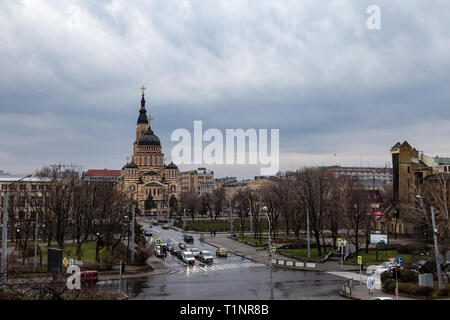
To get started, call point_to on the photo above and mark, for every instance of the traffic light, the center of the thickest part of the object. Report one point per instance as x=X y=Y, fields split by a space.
x=395 y=273
x=122 y=267
x=164 y=249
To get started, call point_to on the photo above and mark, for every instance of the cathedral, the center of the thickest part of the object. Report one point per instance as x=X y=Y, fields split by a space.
x=147 y=174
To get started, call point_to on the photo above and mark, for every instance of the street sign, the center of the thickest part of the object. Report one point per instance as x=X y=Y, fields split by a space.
x=158 y=242
x=339 y=242
x=65 y=262
x=273 y=249
x=399 y=260
x=392 y=260
x=359 y=260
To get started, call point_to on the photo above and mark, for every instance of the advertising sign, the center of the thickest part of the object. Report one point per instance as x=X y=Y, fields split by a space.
x=378 y=239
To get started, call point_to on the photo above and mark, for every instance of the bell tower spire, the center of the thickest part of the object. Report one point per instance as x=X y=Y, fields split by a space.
x=142 y=113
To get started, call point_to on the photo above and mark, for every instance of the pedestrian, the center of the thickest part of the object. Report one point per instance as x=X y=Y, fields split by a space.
x=214 y=233
x=211 y=232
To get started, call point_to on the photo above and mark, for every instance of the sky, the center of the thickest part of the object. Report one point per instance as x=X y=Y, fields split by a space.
x=339 y=93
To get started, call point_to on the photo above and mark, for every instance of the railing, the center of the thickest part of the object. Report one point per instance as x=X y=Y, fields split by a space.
x=346 y=288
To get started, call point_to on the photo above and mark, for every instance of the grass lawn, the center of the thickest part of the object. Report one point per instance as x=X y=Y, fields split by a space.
x=255 y=240
x=70 y=251
x=383 y=256
x=303 y=253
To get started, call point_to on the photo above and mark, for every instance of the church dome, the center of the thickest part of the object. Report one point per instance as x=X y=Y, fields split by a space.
x=149 y=139
x=172 y=166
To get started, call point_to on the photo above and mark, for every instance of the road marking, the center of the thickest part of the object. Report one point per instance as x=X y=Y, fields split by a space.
x=222 y=267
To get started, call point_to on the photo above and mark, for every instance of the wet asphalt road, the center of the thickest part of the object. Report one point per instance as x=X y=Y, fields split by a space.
x=231 y=278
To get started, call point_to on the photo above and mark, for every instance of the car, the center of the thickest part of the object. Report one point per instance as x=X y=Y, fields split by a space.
x=175 y=252
x=165 y=226
x=155 y=223
x=187 y=257
x=188 y=247
x=170 y=246
x=148 y=233
x=182 y=245
x=424 y=266
x=188 y=239
x=221 y=252
x=89 y=276
x=195 y=252
x=205 y=256
x=382 y=268
x=382 y=298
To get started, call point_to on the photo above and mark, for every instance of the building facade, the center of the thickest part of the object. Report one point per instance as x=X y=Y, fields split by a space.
x=197 y=181
x=146 y=174
x=105 y=175
x=373 y=178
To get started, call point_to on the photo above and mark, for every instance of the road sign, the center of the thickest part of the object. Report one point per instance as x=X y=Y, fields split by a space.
x=359 y=260
x=339 y=242
x=399 y=260
x=273 y=249
x=158 y=242
x=345 y=243
x=392 y=260
x=65 y=262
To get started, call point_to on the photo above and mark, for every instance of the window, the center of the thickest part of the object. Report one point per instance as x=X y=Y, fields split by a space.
x=34 y=187
x=4 y=186
x=23 y=187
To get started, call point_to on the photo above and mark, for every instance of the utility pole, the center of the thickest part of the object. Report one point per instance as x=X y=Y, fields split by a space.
x=184 y=220
x=251 y=224
x=120 y=277
x=35 y=241
x=4 y=239
x=231 y=219
x=308 y=234
x=168 y=206
x=269 y=243
x=132 y=234
x=436 y=249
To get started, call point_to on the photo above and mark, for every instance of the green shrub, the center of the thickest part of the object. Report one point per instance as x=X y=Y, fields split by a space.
x=384 y=276
x=422 y=291
x=414 y=249
x=386 y=283
x=408 y=276
x=406 y=287
x=391 y=287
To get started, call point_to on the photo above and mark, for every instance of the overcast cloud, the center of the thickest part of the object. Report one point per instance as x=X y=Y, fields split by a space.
x=69 y=92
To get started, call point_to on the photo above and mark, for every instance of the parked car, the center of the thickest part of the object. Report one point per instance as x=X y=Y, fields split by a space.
x=165 y=226
x=89 y=276
x=205 y=256
x=155 y=222
x=187 y=257
x=148 y=233
x=188 y=238
x=221 y=252
x=195 y=252
x=424 y=266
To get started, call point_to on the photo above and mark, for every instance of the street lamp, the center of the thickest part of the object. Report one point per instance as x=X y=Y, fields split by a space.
x=436 y=246
x=5 y=233
x=269 y=243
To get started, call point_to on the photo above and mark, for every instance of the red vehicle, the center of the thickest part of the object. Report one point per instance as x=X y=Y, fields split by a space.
x=89 y=276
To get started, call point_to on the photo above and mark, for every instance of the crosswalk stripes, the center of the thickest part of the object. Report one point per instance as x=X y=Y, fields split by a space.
x=221 y=267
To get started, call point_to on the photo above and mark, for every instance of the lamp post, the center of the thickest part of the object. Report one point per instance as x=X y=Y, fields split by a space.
x=308 y=234
x=269 y=243
x=132 y=234
x=5 y=234
x=35 y=241
x=251 y=224
x=231 y=219
x=436 y=246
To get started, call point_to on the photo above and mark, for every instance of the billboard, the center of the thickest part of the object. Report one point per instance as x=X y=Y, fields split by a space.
x=378 y=239
x=54 y=260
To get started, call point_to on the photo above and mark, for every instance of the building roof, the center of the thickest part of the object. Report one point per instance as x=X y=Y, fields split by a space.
x=440 y=160
x=130 y=166
x=103 y=173
x=149 y=139
x=171 y=166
